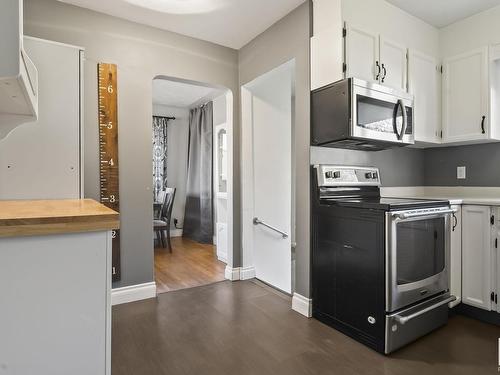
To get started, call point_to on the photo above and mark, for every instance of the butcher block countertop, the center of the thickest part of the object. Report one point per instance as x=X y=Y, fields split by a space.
x=41 y=217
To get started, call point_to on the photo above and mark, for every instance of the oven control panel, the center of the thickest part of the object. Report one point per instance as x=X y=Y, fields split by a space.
x=332 y=175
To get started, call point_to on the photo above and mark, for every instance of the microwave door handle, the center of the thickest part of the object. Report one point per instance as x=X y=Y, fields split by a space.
x=405 y=120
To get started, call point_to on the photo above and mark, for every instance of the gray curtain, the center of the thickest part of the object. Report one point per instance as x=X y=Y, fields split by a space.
x=198 y=217
x=160 y=148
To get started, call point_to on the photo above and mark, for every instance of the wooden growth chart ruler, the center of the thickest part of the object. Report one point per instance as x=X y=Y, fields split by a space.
x=108 y=150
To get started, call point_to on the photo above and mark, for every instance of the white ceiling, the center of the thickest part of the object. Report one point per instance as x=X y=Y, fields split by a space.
x=182 y=94
x=441 y=13
x=231 y=23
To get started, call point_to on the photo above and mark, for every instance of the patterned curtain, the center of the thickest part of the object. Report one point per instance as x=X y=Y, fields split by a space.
x=160 y=148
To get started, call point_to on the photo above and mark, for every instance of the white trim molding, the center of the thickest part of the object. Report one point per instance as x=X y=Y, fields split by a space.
x=133 y=293
x=231 y=273
x=239 y=273
x=247 y=273
x=302 y=305
x=175 y=232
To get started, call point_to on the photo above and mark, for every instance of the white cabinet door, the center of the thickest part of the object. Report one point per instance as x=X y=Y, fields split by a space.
x=476 y=256
x=425 y=85
x=51 y=145
x=362 y=54
x=465 y=96
x=393 y=64
x=456 y=256
x=327 y=44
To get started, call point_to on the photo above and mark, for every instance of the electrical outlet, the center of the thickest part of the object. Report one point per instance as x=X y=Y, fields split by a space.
x=461 y=173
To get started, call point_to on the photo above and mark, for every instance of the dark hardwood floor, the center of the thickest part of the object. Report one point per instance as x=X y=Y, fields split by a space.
x=247 y=328
x=189 y=264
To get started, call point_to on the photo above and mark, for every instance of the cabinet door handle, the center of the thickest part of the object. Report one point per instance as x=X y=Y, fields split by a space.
x=378 y=70
x=455 y=222
x=482 y=125
x=385 y=73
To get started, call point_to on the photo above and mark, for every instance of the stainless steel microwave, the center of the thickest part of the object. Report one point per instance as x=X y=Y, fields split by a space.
x=357 y=114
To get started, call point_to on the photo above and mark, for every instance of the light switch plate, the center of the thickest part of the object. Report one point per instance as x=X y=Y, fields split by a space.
x=461 y=173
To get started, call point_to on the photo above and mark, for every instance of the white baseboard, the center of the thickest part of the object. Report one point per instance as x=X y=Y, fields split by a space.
x=175 y=232
x=247 y=273
x=133 y=293
x=302 y=305
x=222 y=258
x=239 y=273
x=231 y=273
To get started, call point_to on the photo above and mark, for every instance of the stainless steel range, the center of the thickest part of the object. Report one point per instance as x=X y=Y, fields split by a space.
x=380 y=266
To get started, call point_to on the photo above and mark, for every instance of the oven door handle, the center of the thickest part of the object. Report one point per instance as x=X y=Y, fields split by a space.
x=408 y=215
x=406 y=318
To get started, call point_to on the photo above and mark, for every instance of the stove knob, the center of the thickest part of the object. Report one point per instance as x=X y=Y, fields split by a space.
x=375 y=175
x=332 y=174
x=368 y=175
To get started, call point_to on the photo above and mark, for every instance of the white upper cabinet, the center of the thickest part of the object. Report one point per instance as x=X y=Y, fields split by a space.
x=425 y=84
x=372 y=57
x=326 y=43
x=465 y=96
x=362 y=54
x=476 y=256
x=18 y=74
x=393 y=57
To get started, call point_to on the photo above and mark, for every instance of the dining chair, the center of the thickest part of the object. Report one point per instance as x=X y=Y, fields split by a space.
x=161 y=225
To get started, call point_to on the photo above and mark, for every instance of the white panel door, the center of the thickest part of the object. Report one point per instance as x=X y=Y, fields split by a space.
x=362 y=54
x=425 y=85
x=272 y=177
x=41 y=160
x=465 y=96
x=393 y=64
x=476 y=256
x=456 y=256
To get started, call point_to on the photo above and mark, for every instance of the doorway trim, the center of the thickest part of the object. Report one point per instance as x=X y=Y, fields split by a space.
x=229 y=270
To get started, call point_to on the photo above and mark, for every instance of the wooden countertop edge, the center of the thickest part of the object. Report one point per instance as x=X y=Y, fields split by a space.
x=31 y=218
x=22 y=230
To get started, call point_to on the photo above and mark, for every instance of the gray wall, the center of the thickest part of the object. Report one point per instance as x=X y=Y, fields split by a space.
x=398 y=166
x=482 y=163
x=286 y=40
x=141 y=53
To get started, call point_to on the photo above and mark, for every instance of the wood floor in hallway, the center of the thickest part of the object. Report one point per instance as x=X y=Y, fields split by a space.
x=245 y=328
x=189 y=264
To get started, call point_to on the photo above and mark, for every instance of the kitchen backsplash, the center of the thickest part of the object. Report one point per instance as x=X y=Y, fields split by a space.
x=482 y=164
x=418 y=167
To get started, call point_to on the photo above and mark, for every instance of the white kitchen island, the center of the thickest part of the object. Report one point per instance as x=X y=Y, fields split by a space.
x=55 y=284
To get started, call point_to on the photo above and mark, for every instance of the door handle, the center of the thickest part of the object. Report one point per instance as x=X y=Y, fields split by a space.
x=256 y=221
x=378 y=70
x=409 y=215
x=404 y=319
x=482 y=125
x=405 y=119
x=455 y=222
x=385 y=73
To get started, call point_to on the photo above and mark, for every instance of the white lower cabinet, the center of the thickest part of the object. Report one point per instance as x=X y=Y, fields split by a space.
x=478 y=270
x=456 y=255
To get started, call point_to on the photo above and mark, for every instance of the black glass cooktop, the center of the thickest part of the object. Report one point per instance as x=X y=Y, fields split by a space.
x=383 y=203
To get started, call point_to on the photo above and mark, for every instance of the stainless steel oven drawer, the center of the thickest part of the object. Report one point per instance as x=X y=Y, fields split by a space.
x=409 y=324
